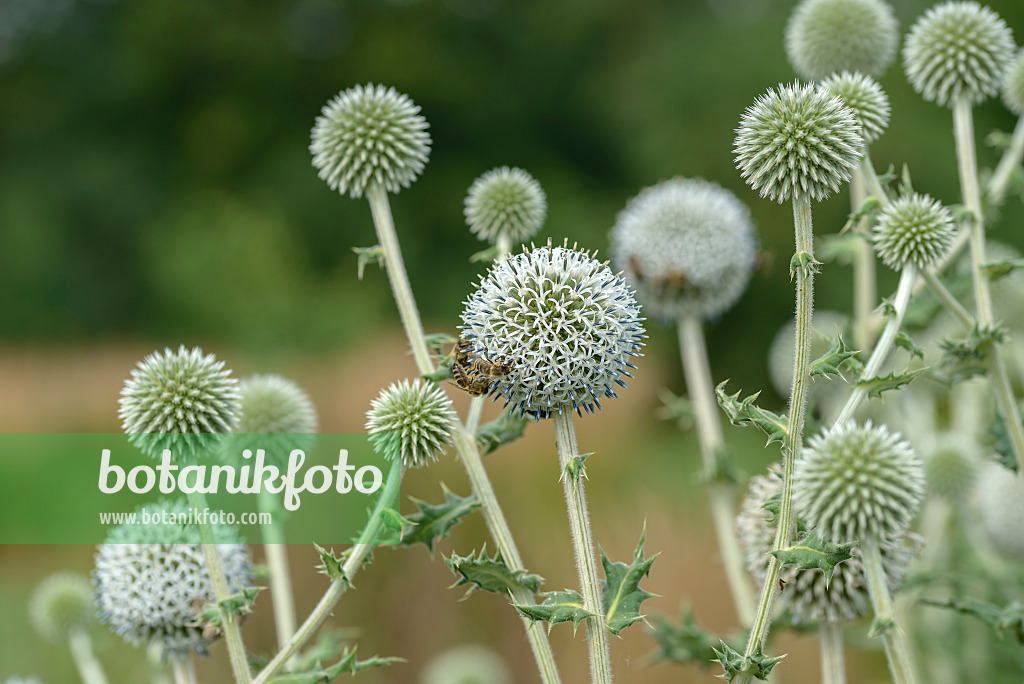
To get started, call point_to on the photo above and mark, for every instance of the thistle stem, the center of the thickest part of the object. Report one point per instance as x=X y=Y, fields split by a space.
x=947 y=299
x=182 y=670
x=712 y=444
x=1000 y=181
x=833 y=660
x=280 y=575
x=583 y=545
x=864 y=288
x=885 y=620
x=89 y=668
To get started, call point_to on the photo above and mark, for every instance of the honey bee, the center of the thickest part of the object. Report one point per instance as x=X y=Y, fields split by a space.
x=473 y=383
x=490 y=367
x=474 y=373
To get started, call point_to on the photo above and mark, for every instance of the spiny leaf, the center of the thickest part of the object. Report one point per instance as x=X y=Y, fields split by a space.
x=236 y=604
x=804 y=264
x=558 y=606
x=815 y=553
x=774 y=505
x=746 y=412
x=437 y=341
x=443 y=372
x=331 y=565
x=867 y=208
x=736 y=664
x=832 y=361
x=490 y=574
x=329 y=645
x=1003 y=446
x=432 y=523
x=500 y=431
x=1001 y=269
x=879 y=384
x=395 y=526
x=620 y=590
x=577 y=468
x=904 y=342
x=348 y=664
x=687 y=643
x=368 y=255
x=1007 y=621
x=675 y=408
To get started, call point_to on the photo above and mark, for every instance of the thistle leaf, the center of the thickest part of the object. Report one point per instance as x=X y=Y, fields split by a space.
x=432 y=523
x=500 y=431
x=331 y=565
x=368 y=255
x=747 y=412
x=620 y=590
x=904 y=342
x=735 y=664
x=558 y=606
x=1001 y=269
x=490 y=574
x=687 y=643
x=879 y=384
x=832 y=361
x=815 y=553
x=1007 y=621
x=803 y=264
x=348 y=664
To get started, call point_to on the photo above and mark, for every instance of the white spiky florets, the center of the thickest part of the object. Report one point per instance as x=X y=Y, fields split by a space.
x=370 y=134
x=913 y=229
x=1013 y=85
x=687 y=247
x=797 y=140
x=958 y=48
x=562 y=321
x=412 y=421
x=60 y=604
x=505 y=202
x=276 y=416
x=865 y=97
x=824 y=37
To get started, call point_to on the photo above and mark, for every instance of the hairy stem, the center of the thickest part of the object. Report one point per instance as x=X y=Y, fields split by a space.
x=280 y=575
x=833 y=660
x=1000 y=181
x=885 y=620
x=89 y=668
x=182 y=670
x=864 y=288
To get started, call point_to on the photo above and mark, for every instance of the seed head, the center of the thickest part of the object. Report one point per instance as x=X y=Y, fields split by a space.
x=565 y=324
x=865 y=97
x=412 y=421
x=1013 y=85
x=824 y=37
x=367 y=135
x=1000 y=495
x=958 y=48
x=60 y=604
x=798 y=139
x=914 y=229
x=276 y=416
x=687 y=247
x=505 y=202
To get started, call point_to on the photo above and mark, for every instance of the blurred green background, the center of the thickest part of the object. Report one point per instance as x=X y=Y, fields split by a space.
x=156 y=189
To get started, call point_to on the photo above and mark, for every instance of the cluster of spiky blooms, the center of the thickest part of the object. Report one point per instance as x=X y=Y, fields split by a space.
x=865 y=97
x=687 y=247
x=1013 y=85
x=958 y=48
x=412 y=421
x=369 y=134
x=276 y=416
x=824 y=37
x=797 y=140
x=1001 y=503
x=183 y=401
x=913 y=229
x=151 y=579
x=505 y=202
x=564 y=324
x=61 y=604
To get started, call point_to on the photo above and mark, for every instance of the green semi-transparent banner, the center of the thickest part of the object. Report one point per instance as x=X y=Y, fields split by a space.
x=293 y=489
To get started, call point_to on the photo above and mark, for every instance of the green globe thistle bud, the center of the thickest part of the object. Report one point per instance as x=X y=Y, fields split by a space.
x=958 y=48
x=865 y=97
x=412 y=421
x=687 y=247
x=858 y=481
x=1000 y=495
x=367 y=135
x=505 y=202
x=952 y=469
x=797 y=140
x=467 y=664
x=60 y=604
x=824 y=37
x=914 y=229
x=183 y=401
x=276 y=416
x=1013 y=86
x=562 y=323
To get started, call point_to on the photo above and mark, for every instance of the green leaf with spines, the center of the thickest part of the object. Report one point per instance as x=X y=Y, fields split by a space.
x=774 y=506
x=1006 y=621
x=576 y=469
x=433 y=522
x=880 y=627
x=814 y=552
x=867 y=209
x=1001 y=442
x=331 y=565
x=330 y=644
x=803 y=263
x=1001 y=269
x=237 y=604
x=395 y=526
x=368 y=255
x=675 y=408
x=558 y=606
x=436 y=342
x=490 y=574
x=348 y=664
x=744 y=412
x=832 y=361
x=735 y=664
x=903 y=341
x=684 y=644
x=620 y=589
x=507 y=427
x=883 y=383
x=443 y=371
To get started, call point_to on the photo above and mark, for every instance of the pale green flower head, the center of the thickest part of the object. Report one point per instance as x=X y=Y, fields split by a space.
x=60 y=604
x=824 y=37
x=505 y=202
x=913 y=229
x=1013 y=85
x=865 y=97
x=276 y=416
x=412 y=421
x=951 y=470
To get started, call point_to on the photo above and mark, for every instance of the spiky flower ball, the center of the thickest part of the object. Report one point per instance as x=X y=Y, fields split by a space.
x=276 y=416
x=951 y=470
x=687 y=246
x=824 y=37
x=797 y=140
x=1000 y=496
x=370 y=134
x=563 y=324
x=412 y=421
x=1013 y=85
x=858 y=481
x=183 y=401
x=914 y=229
x=152 y=578
x=61 y=604
x=505 y=202
x=865 y=97
x=958 y=48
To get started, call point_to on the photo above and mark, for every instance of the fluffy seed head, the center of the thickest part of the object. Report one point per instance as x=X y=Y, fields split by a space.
x=824 y=37
x=562 y=321
x=1013 y=85
x=183 y=401
x=61 y=603
x=865 y=97
x=370 y=134
x=1000 y=495
x=914 y=229
x=505 y=202
x=958 y=48
x=687 y=247
x=858 y=481
x=276 y=416
x=798 y=139
x=412 y=421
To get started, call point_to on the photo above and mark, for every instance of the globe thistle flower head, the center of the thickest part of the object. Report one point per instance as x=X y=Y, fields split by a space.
x=276 y=416
x=687 y=247
x=412 y=421
x=824 y=37
x=150 y=577
x=865 y=97
x=797 y=140
x=505 y=202
x=1013 y=86
x=951 y=471
x=369 y=134
x=914 y=229
x=1000 y=495
x=60 y=604
x=858 y=481
x=183 y=401
x=958 y=48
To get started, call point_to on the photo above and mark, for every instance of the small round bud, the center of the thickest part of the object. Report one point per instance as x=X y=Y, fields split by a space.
x=687 y=247
x=914 y=229
x=958 y=48
x=824 y=37
x=797 y=140
x=412 y=421
x=505 y=202
x=1000 y=495
x=1013 y=86
x=276 y=416
x=368 y=135
x=467 y=664
x=951 y=470
x=60 y=604
x=858 y=481
x=563 y=324
x=865 y=97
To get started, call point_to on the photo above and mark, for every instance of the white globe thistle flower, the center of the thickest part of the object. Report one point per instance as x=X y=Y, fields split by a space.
x=865 y=97
x=369 y=134
x=1013 y=85
x=276 y=415
x=958 y=48
x=687 y=247
x=858 y=481
x=1000 y=499
x=412 y=421
x=61 y=603
x=798 y=139
x=505 y=202
x=914 y=229
x=824 y=37
x=152 y=579
x=467 y=664
x=563 y=323
x=183 y=401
